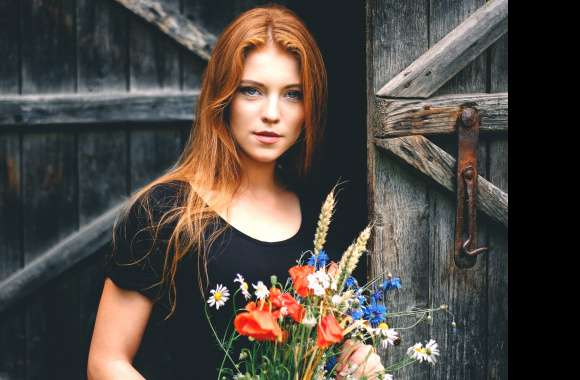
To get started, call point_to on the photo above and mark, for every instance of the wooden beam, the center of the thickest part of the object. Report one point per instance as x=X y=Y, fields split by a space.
x=97 y=108
x=451 y=54
x=437 y=164
x=173 y=24
x=439 y=115
x=78 y=246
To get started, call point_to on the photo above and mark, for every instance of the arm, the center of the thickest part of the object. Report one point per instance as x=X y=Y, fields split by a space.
x=121 y=320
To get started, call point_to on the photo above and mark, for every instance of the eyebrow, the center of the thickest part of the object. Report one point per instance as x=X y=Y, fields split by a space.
x=249 y=81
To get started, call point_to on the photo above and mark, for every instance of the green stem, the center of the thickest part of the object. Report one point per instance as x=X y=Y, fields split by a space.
x=219 y=341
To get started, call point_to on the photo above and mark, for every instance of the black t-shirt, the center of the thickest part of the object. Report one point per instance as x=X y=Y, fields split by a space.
x=183 y=347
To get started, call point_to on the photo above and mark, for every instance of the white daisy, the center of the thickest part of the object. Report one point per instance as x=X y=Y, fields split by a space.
x=432 y=351
x=243 y=286
x=261 y=290
x=318 y=281
x=427 y=353
x=388 y=376
x=387 y=335
x=219 y=296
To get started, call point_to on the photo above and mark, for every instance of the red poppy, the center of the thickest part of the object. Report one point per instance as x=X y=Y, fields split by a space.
x=299 y=274
x=259 y=324
x=280 y=300
x=329 y=332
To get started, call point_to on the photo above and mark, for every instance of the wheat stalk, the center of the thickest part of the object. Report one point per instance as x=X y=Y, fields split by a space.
x=324 y=220
x=351 y=257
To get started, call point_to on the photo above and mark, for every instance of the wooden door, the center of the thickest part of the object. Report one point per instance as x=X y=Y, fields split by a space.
x=427 y=61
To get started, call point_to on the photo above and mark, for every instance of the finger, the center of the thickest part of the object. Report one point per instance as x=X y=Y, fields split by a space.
x=348 y=348
x=363 y=358
x=369 y=366
x=353 y=362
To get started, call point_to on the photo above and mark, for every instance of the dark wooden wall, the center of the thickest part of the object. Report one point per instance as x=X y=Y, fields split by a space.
x=417 y=234
x=54 y=178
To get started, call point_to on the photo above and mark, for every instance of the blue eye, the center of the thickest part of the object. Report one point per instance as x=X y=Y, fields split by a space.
x=250 y=91
x=295 y=94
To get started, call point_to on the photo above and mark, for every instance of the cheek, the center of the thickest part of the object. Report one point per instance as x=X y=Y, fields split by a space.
x=296 y=120
x=241 y=114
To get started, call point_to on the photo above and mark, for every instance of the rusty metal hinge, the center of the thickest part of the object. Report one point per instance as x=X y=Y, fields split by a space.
x=468 y=135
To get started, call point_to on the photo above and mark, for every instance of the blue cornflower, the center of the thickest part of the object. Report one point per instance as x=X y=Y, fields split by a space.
x=375 y=314
x=318 y=261
x=351 y=282
x=377 y=295
x=330 y=363
x=356 y=314
x=393 y=283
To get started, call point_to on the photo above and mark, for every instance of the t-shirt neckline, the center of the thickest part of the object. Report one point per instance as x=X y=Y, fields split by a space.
x=270 y=243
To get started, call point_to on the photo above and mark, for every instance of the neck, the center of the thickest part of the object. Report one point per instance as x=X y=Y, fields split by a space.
x=258 y=178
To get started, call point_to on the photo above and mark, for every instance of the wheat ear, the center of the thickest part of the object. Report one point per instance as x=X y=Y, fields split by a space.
x=351 y=256
x=324 y=220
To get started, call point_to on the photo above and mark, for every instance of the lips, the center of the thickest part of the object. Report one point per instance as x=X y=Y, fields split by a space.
x=267 y=133
x=267 y=137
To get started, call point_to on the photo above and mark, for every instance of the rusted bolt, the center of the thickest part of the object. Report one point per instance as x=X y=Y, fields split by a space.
x=468 y=117
x=468 y=173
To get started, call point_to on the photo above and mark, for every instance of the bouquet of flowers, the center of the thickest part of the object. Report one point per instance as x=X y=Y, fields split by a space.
x=298 y=330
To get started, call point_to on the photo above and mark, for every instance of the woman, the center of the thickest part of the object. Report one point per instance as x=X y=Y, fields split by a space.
x=233 y=203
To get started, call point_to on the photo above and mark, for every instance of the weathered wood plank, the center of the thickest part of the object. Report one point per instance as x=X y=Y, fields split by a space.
x=451 y=54
x=497 y=278
x=48 y=46
x=435 y=163
x=173 y=24
x=56 y=260
x=102 y=152
x=97 y=108
x=11 y=324
x=50 y=214
x=102 y=47
x=438 y=115
x=153 y=57
x=445 y=16
x=464 y=290
x=102 y=157
x=10 y=67
x=398 y=205
x=152 y=152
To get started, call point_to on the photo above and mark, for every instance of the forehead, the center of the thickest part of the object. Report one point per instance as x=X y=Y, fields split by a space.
x=271 y=65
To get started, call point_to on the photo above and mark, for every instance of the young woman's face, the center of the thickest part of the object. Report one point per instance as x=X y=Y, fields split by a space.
x=268 y=100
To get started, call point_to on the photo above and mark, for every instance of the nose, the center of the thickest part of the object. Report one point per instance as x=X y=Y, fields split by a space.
x=271 y=112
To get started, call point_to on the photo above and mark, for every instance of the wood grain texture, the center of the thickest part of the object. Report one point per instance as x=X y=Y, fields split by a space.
x=173 y=24
x=152 y=152
x=102 y=47
x=102 y=163
x=50 y=264
x=399 y=205
x=49 y=215
x=438 y=115
x=48 y=46
x=10 y=67
x=153 y=57
x=464 y=290
x=97 y=108
x=497 y=262
x=439 y=166
x=11 y=324
x=12 y=337
x=452 y=53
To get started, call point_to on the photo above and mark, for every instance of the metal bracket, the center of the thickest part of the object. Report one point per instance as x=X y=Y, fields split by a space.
x=468 y=135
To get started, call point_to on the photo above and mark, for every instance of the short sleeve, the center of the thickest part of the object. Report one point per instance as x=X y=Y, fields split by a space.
x=136 y=259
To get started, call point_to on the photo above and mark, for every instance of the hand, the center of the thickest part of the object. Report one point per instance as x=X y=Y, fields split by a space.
x=358 y=359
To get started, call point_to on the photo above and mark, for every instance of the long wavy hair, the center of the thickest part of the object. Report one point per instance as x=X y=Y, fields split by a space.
x=210 y=160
